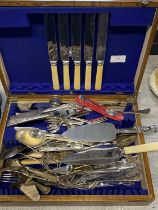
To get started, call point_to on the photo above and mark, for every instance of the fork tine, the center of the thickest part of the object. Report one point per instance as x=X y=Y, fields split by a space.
x=8 y=178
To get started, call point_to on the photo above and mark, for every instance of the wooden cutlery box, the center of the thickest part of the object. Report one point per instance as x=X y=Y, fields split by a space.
x=29 y=73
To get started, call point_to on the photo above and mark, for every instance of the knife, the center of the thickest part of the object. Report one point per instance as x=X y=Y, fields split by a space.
x=88 y=48
x=101 y=47
x=64 y=47
x=93 y=156
x=76 y=21
x=52 y=47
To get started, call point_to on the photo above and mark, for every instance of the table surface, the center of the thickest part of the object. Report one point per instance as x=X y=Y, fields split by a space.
x=146 y=99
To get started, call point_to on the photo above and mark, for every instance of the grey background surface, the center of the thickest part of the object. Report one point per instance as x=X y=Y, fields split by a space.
x=146 y=99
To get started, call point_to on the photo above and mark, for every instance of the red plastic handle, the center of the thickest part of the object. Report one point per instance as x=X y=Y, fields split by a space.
x=118 y=116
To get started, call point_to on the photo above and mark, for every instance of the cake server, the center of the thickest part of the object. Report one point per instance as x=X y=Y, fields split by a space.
x=105 y=132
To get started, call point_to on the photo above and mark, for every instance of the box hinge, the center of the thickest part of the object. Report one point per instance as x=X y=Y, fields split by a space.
x=144 y=2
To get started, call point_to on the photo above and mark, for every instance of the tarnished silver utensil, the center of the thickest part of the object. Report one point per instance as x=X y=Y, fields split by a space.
x=93 y=156
x=101 y=47
x=9 y=153
x=105 y=132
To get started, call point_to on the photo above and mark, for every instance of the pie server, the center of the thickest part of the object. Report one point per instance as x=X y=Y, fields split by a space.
x=105 y=132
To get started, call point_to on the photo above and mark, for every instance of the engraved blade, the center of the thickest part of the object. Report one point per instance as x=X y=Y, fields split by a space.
x=63 y=36
x=51 y=37
x=102 y=35
x=89 y=36
x=76 y=27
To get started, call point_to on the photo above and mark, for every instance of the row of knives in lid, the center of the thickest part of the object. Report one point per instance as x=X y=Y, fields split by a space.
x=69 y=36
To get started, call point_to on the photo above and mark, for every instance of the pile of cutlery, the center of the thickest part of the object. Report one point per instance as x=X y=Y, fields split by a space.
x=89 y=152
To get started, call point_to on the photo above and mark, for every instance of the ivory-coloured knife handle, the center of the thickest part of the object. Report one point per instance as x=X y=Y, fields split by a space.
x=150 y=147
x=66 y=76
x=30 y=162
x=88 y=75
x=77 y=76
x=37 y=155
x=55 y=77
x=99 y=76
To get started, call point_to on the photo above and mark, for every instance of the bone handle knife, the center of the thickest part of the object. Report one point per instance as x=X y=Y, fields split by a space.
x=64 y=47
x=76 y=27
x=101 y=47
x=52 y=46
x=88 y=48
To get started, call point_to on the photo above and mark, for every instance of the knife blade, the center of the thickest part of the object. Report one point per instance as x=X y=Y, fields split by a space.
x=76 y=27
x=93 y=156
x=101 y=47
x=52 y=47
x=64 y=47
x=88 y=48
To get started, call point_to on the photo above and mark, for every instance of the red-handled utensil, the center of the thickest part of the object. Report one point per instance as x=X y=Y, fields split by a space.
x=118 y=116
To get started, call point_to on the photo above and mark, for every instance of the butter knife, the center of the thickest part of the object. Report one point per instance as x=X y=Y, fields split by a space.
x=88 y=48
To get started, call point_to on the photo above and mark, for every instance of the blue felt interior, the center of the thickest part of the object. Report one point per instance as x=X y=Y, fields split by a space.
x=23 y=45
x=10 y=141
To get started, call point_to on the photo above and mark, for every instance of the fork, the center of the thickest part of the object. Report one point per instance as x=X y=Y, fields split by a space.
x=8 y=177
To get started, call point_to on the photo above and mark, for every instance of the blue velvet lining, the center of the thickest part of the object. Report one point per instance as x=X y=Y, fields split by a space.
x=23 y=46
x=9 y=141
